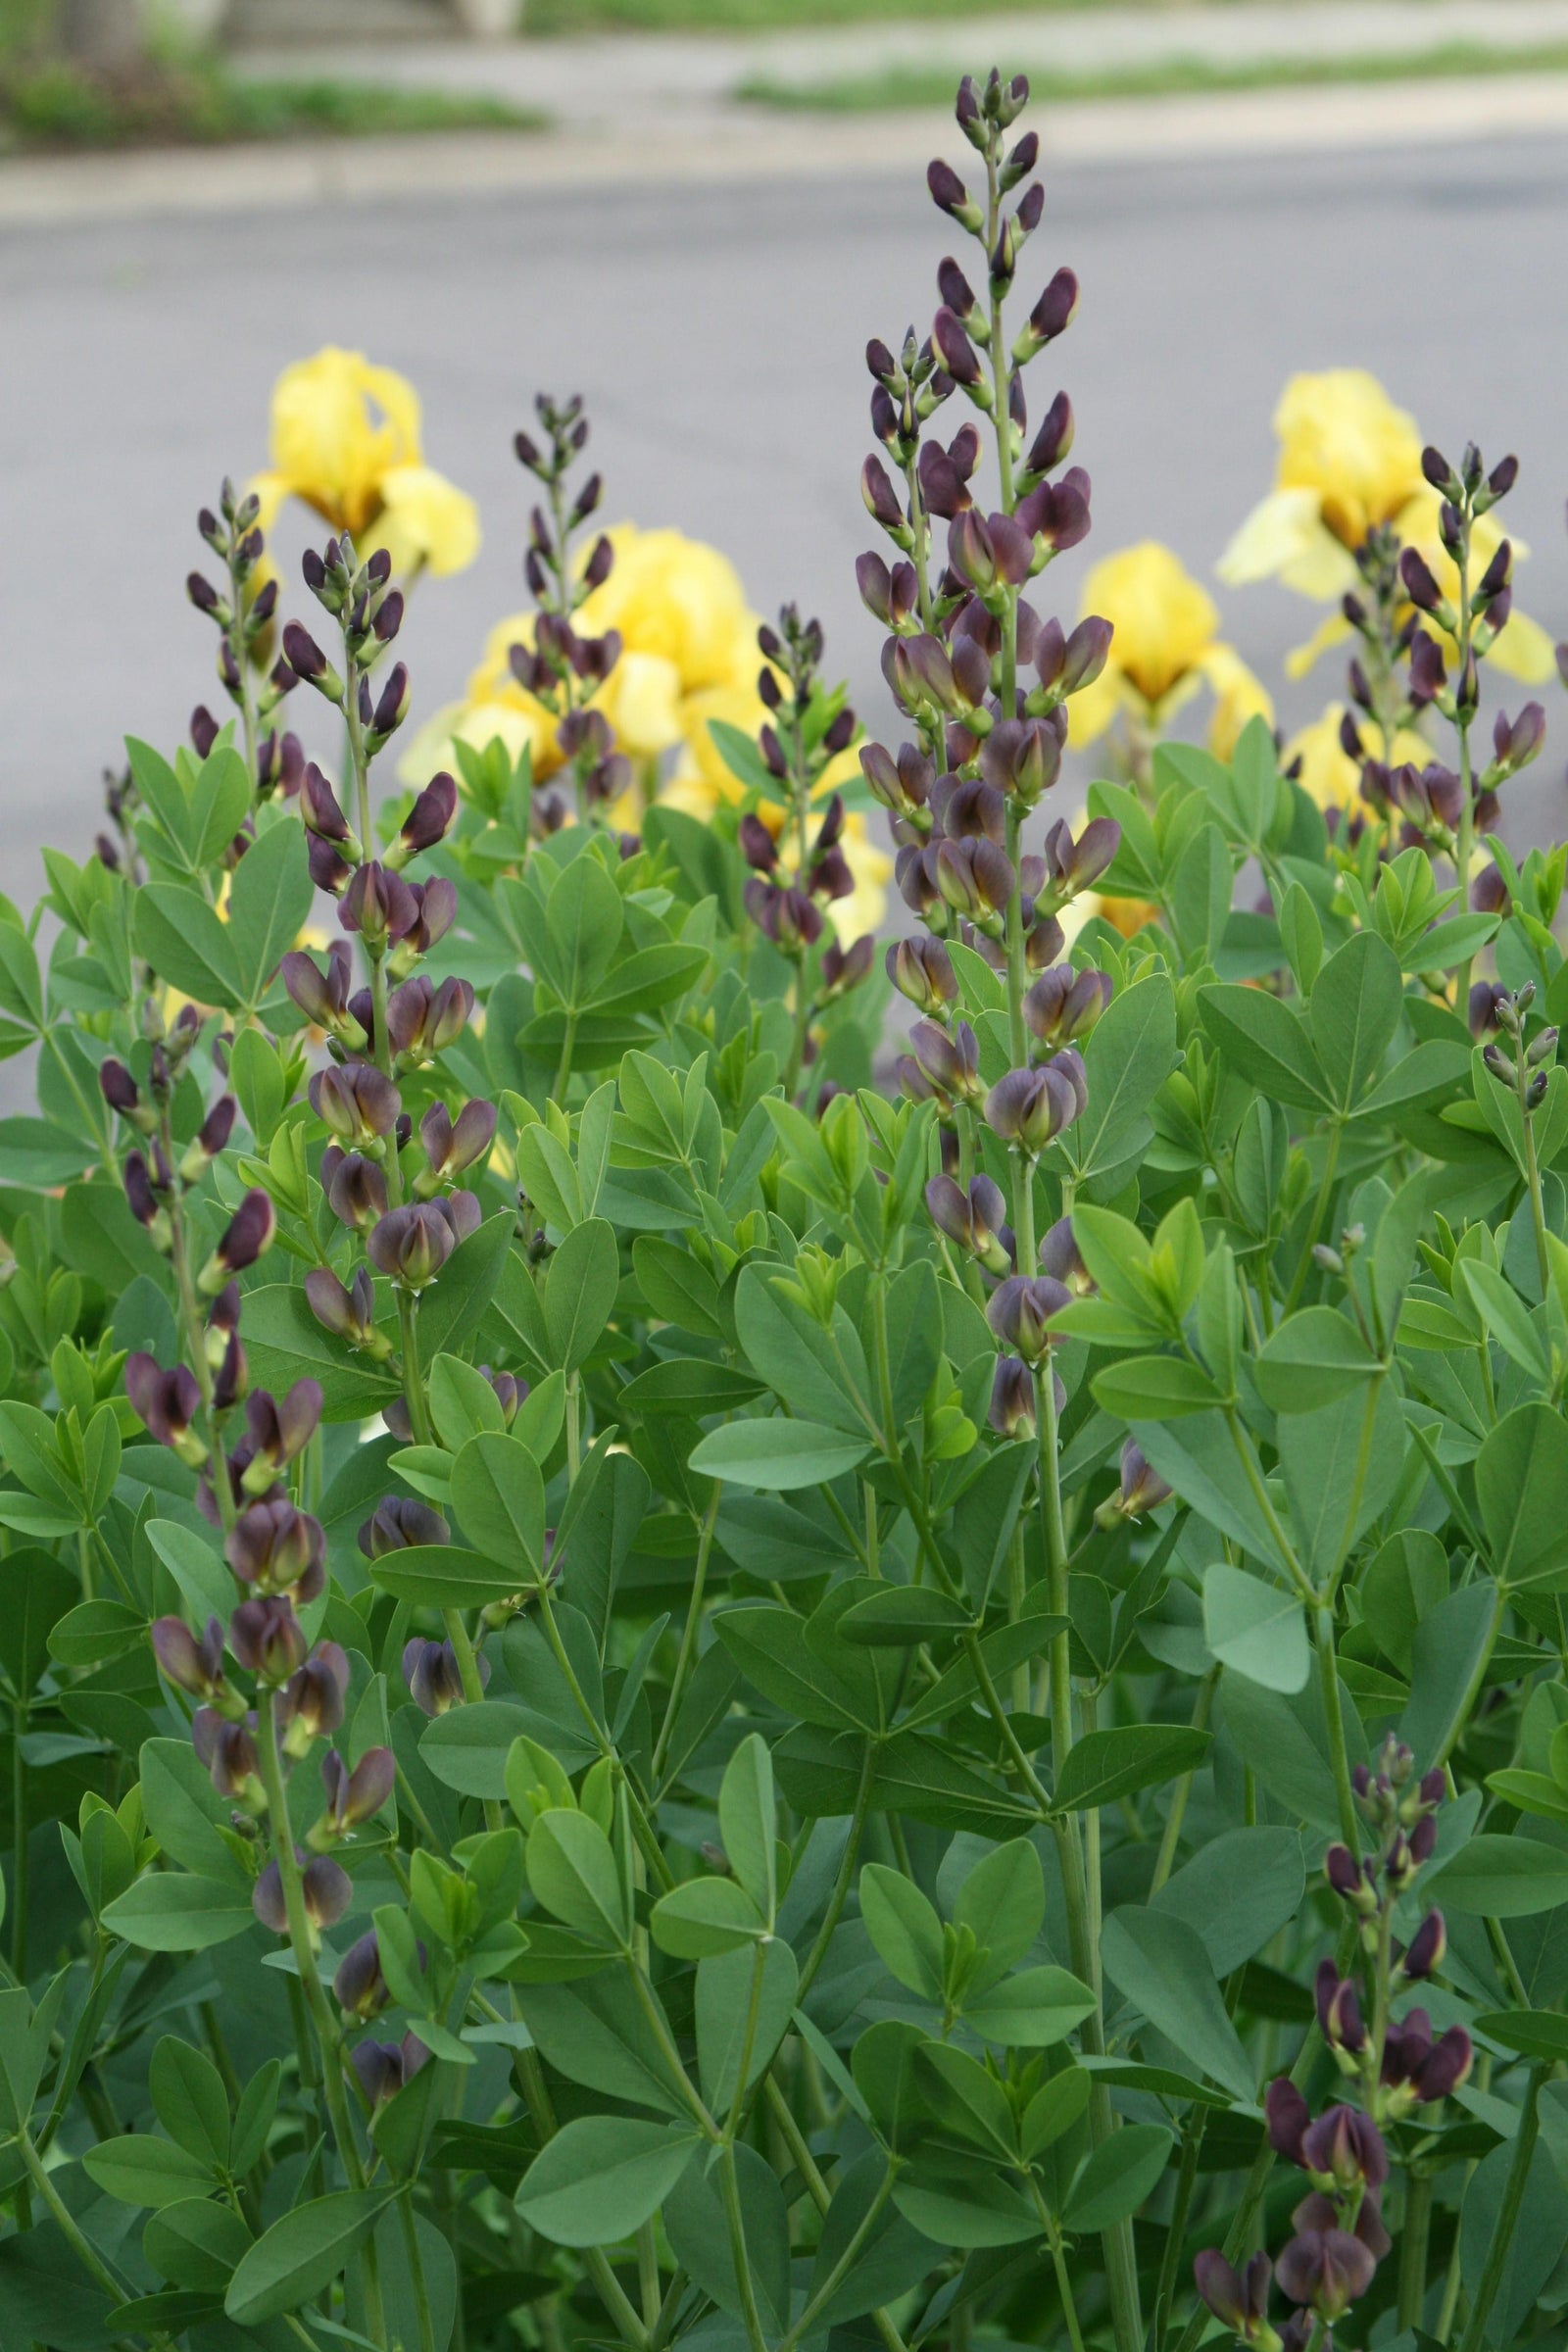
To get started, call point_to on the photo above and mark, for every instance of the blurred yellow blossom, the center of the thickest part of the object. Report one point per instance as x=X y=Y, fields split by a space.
x=1167 y=645
x=1349 y=461
x=688 y=656
x=345 y=439
x=1328 y=773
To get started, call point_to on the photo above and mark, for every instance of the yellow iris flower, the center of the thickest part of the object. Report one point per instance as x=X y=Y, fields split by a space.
x=1166 y=648
x=1328 y=772
x=1349 y=461
x=345 y=439
x=688 y=656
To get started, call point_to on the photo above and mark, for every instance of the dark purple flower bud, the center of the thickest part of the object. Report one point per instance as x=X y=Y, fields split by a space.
x=119 y=1090
x=1013 y=1398
x=1055 y=310
x=1436 y=467
x=843 y=968
x=355 y=1102
x=227 y=1749
x=427 y=822
x=249 y=1236
x=359 y=1987
x=875 y=584
x=307 y=661
x=943 y=489
x=268 y=1638
x=1345 y=2149
x=975 y=1220
x=277 y=1549
x=353 y=1796
x=1239 y=2302
x=948 y=195
x=379 y=904
x=412 y=1244
x=1419 y=581
x=1326 y=2269
x=1019 y=1311
x=204 y=728
x=1288 y=2115
x=398 y=1523
x=1516 y=742
x=193 y=1665
x=1142 y=1488
x=1031 y=1108
x=430 y=1671
x=921 y=969
x=1428 y=1947
x=279 y=1432
x=1053 y=442
x=1449 y=2065
x=167 y=1402
x=450 y=1145
x=1428 y=678
x=1022 y=758
x=1064 y=1004
x=881 y=501
x=311 y=1706
x=384 y=2068
x=950 y=1061
x=1338 y=2010
x=145 y=1205
x=435 y=905
x=958 y=354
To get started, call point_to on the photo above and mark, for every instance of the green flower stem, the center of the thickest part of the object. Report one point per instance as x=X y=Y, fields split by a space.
x=846 y=1871
x=845 y=2263
x=196 y=1337
x=1181 y=2207
x=731 y=2191
x=1415 y=2239
x=1334 y=1717
x=240 y=655
x=410 y=2246
x=688 y=1638
x=1538 y=1207
x=412 y=1377
x=327 y=2036
x=1165 y=1859
x=648 y=2273
x=643 y=1828
x=19 y=1841
x=568 y=1043
x=1513 y=2195
x=1320 y=1210
x=1462 y=724
x=464 y=1651
x=92 y=2262
x=1047 y=2223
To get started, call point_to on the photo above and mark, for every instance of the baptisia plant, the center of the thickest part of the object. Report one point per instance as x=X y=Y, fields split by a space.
x=665 y=1683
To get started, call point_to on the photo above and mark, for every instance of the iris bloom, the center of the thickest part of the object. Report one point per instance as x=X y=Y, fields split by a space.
x=688 y=656
x=1350 y=461
x=345 y=439
x=1328 y=772
x=1165 y=648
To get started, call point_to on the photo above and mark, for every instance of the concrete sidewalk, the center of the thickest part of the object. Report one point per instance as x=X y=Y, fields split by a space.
x=652 y=81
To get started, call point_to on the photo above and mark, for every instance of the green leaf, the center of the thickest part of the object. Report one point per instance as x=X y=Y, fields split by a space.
x=900 y=1616
x=1506 y=1315
x=1238 y=1891
x=1122 y=2175
x=269 y=898
x=778 y=1456
x=192 y=2104
x=573 y=1870
x=443 y=1576
x=1257 y=1628
x=748 y=1821
x=1030 y=2010
x=705 y=1916
x=180 y=936
x=1106 y=1765
x=142 y=2170
x=1312 y=1359
x=1355 y=1006
x=169 y=1911
x=1341 y=1469
x=603 y=2176
x=1131 y=1052
x=1266 y=1043
x=698 y=2228
x=585 y=917
x=1154 y=1388
x=1493 y=1876
x=1522 y=1490
x=1533 y=2033
x=1161 y=1966
x=581 y=1285
x=904 y=1927
x=303 y=2252
x=498 y=1497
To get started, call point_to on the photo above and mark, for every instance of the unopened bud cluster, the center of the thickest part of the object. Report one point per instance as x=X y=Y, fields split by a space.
x=245 y=615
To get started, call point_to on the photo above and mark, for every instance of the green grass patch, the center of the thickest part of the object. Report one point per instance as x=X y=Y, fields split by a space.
x=61 y=107
x=933 y=85
x=773 y=16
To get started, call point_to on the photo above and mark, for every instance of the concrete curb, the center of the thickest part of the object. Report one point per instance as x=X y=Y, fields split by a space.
x=732 y=146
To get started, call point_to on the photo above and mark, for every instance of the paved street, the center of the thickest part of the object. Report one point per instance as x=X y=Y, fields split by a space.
x=718 y=334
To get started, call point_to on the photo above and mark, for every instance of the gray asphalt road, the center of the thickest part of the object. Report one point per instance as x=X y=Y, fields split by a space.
x=718 y=337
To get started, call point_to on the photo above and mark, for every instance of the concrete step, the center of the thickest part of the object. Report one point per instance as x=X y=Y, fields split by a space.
x=276 y=23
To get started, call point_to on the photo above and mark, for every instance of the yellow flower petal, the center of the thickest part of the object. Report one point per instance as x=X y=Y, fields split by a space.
x=1282 y=528
x=865 y=905
x=1238 y=696
x=1524 y=650
x=641 y=701
x=1164 y=619
x=1343 y=439
x=1328 y=633
x=425 y=522
x=337 y=425
x=679 y=599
